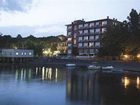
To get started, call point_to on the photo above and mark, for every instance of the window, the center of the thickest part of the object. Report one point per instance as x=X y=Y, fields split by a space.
x=69 y=27
x=91 y=50
x=97 y=44
x=80 y=38
x=80 y=32
x=96 y=50
x=85 y=44
x=69 y=33
x=69 y=45
x=97 y=31
x=75 y=34
x=25 y=53
x=96 y=37
x=86 y=25
x=104 y=23
x=97 y=23
x=30 y=53
x=91 y=24
x=91 y=38
x=69 y=39
x=75 y=27
x=69 y=51
x=81 y=51
x=91 y=31
x=85 y=31
x=103 y=30
x=85 y=37
x=80 y=45
x=22 y=53
x=85 y=51
x=80 y=26
x=74 y=41
x=17 y=53
x=91 y=44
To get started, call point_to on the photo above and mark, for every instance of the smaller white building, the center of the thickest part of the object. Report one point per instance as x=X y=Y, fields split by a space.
x=16 y=53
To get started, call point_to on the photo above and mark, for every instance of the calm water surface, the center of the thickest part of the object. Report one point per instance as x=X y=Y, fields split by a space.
x=61 y=86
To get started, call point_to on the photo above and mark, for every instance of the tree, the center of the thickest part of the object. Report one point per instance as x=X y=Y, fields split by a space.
x=112 y=41
x=133 y=19
x=75 y=51
x=123 y=38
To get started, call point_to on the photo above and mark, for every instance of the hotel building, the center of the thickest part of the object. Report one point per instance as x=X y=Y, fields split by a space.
x=85 y=37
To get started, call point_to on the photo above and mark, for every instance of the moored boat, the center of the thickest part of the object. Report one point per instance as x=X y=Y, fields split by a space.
x=70 y=65
x=93 y=67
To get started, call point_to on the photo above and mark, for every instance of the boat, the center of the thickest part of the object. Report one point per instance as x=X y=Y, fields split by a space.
x=70 y=65
x=107 y=69
x=93 y=67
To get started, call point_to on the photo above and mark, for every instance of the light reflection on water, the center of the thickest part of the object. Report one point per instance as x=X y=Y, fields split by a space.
x=59 y=86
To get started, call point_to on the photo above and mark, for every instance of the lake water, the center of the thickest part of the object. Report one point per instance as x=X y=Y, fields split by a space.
x=61 y=86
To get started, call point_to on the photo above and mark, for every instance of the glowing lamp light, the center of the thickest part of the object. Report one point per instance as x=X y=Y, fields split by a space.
x=126 y=56
x=138 y=83
x=138 y=56
x=126 y=82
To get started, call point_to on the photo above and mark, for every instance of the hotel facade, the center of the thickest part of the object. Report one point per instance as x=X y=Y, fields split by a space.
x=84 y=38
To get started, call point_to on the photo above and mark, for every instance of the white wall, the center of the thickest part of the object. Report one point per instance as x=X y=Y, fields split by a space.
x=17 y=53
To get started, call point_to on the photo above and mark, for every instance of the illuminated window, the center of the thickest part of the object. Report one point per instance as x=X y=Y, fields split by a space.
x=22 y=53
x=103 y=30
x=30 y=53
x=17 y=53
x=91 y=44
x=69 y=39
x=25 y=53
x=74 y=41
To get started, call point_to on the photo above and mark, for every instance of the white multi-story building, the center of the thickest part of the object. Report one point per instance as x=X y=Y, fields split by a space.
x=85 y=37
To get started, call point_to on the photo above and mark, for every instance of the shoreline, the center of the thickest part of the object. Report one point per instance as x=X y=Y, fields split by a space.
x=129 y=65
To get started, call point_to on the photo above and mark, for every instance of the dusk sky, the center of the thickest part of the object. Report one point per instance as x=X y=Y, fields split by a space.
x=49 y=17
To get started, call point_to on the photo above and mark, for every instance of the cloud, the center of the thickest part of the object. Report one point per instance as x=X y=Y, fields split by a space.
x=50 y=16
x=15 y=5
x=55 y=29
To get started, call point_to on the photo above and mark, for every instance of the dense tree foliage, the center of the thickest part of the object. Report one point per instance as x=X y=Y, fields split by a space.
x=31 y=42
x=123 y=38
